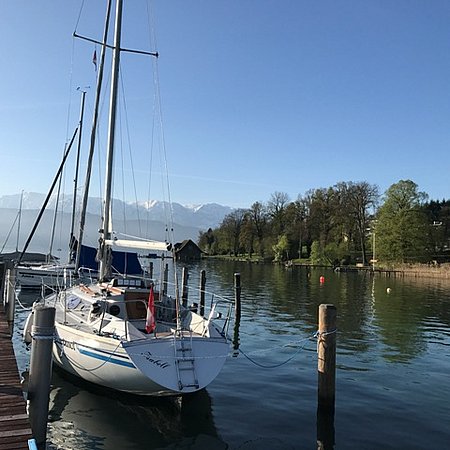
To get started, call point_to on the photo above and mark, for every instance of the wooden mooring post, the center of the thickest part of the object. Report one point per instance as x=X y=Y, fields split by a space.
x=326 y=354
x=43 y=331
x=326 y=368
x=202 y=292
x=184 y=287
x=165 y=270
x=237 y=312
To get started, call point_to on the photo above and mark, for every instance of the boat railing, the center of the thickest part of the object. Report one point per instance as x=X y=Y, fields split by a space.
x=217 y=310
x=87 y=274
x=210 y=305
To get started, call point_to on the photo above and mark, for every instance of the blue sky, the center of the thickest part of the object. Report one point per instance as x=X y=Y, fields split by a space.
x=257 y=96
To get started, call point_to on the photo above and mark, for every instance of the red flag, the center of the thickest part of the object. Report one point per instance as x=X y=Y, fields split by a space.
x=150 y=323
x=94 y=59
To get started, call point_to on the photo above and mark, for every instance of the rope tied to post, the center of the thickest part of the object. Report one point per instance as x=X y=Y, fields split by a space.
x=321 y=334
x=39 y=333
x=38 y=337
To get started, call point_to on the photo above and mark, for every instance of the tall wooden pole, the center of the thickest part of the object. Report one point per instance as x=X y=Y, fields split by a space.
x=165 y=279
x=237 y=311
x=326 y=352
x=202 y=292
x=184 y=287
x=326 y=349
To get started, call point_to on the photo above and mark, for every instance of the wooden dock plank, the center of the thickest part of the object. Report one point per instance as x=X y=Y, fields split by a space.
x=15 y=430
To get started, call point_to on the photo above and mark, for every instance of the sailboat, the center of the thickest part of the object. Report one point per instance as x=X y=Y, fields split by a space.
x=134 y=334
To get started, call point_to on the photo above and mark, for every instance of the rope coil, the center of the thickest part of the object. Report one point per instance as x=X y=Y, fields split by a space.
x=38 y=337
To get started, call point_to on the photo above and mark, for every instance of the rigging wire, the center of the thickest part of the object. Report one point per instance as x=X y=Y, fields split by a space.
x=9 y=232
x=163 y=157
x=158 y=128
x=127 y=127
x=79 y=15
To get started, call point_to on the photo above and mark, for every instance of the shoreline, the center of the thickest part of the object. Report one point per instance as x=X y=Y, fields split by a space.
x=434 y=271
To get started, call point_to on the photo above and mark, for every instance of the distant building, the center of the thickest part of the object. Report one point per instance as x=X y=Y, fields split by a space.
x=187 y=250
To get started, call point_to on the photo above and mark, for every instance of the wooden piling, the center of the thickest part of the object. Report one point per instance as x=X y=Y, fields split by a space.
x=165 y=279
x=184 y=287
x=43 y=331
x=237 y=296
x=326 y=353
x=2 y=280
x=202 y=292
x=237 y=311
x=150 y=269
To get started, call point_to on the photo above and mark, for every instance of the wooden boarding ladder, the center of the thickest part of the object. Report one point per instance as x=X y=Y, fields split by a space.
x=185 y=363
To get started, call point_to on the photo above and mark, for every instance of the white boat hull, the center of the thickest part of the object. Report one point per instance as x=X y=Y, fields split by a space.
x=145 y=367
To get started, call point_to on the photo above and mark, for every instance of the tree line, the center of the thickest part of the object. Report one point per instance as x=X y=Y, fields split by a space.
x=348 y=223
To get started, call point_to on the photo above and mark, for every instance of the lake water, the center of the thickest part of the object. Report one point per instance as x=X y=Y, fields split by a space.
x=392 y=377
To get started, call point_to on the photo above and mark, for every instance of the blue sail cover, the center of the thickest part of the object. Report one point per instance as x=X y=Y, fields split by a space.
x=122 y=262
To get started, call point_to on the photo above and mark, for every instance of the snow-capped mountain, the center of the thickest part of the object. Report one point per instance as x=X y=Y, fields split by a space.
x=149 y=220
x=198 y=216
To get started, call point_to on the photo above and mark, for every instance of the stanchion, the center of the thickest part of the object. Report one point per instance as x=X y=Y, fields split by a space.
x=10 y=298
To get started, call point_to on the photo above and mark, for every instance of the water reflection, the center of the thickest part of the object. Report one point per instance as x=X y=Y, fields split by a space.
x=286 y=301
x=325 y=430
x=390 y=349
x=85 y=417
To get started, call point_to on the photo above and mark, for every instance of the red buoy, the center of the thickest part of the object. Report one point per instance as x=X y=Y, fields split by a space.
x=322 y=279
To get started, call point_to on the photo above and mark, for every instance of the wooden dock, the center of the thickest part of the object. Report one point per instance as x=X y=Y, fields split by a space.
x=15 y=430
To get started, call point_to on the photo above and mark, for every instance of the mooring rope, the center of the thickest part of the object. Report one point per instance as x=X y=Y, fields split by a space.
x=16 y=297
x=274 y=366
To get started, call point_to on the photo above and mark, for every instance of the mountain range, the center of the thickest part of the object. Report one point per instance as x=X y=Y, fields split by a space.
x=148 y=219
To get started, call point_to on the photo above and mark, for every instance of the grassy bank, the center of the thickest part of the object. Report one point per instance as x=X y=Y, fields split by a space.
x=419 y=270
x=402 y=270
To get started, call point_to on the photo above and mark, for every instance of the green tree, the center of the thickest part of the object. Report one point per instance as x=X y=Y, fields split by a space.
x=356 y=201
x=438 y=213
x=281 y=249
x=206 y=241
x=257 y=216
x=402 y=228
x=295 y=216
x=231 y=228
x=247 y=235
x=317 y=256
x=276 y=208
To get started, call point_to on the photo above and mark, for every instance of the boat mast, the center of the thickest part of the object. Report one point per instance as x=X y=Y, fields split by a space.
x=104 y=250
x=93 y=135
x=75 y=181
